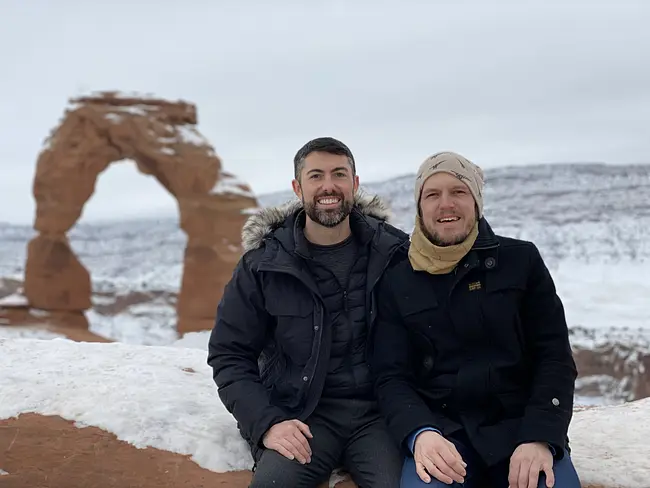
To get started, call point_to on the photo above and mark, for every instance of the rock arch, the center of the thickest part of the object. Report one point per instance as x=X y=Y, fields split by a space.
x=161 y=137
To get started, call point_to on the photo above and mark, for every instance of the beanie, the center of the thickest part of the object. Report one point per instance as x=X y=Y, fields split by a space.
x=456 y=165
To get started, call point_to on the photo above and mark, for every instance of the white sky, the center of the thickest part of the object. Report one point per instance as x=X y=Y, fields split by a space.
x=514 y=82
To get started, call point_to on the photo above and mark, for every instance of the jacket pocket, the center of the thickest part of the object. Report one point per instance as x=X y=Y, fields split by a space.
x=501 y=311
x=294 y=327
x=513 y=404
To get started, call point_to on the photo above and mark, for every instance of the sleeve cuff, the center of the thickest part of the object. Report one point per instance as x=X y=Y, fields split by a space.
x=412 y=437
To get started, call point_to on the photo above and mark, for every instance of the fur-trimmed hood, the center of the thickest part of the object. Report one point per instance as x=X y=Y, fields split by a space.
x=264 y=222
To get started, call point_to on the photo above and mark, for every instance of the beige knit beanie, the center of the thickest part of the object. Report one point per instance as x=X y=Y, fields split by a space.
x=456 y=165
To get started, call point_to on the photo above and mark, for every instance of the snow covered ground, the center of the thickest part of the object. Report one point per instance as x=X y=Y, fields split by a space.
x=164 y=397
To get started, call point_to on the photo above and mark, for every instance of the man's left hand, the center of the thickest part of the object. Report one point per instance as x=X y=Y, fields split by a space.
x=527 y=462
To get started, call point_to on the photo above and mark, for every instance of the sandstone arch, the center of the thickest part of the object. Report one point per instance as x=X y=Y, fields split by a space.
x=161 y=137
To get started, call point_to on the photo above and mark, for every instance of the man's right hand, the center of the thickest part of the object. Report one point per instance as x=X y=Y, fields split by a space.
x=289 y=438
x=436 y=456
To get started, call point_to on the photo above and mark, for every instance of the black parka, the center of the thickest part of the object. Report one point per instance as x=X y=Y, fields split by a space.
x=270 y=346
x=485 y=349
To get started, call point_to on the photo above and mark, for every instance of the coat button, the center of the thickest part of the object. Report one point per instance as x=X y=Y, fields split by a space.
x=316 y=327
x=490 y=262
x=305 y=378
x=427 y=363
x=555 y=402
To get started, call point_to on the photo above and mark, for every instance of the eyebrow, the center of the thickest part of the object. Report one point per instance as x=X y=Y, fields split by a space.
x=339 y=168
x=455 y=187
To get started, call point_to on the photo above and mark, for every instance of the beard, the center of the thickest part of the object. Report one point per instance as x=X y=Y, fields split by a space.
x=440 y=241
x=328 y=217
x=437 y=240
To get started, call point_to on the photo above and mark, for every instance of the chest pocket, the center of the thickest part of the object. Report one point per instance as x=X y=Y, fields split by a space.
x=294 y=325
x=501 y=305
x=504 y=289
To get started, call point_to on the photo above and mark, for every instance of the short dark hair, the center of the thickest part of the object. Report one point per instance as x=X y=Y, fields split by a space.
x=321 y=144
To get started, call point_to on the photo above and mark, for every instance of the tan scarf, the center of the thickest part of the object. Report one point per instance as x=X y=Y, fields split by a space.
x=425 y=256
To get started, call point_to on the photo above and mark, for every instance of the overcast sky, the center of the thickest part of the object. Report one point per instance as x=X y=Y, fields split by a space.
x=503 y=83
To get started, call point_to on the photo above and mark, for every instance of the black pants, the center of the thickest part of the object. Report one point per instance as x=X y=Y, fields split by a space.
x=347 y=433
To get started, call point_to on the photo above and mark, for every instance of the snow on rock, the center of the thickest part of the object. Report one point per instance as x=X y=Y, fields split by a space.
x=3 y=472
x=38 y=313
x=189 y=135
x=251 y=211
x=14 y=300
x=142 y=324
x=161 y=397
x=27 y=332
x=230 y=184
x=610 y=445
x=164 y=397
x=194 y=340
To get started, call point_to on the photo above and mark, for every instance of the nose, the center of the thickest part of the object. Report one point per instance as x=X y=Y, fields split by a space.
x=446 y=201
x=327 y=184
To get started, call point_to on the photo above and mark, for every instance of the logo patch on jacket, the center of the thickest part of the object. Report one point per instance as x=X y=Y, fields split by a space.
x=476 y=285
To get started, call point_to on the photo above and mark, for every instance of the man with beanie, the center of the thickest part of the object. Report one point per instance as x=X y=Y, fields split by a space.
x=288 y=349
x=471 y=354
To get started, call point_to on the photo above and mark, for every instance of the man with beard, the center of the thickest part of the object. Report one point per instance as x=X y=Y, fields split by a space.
x=475 y=374
x=288 y=349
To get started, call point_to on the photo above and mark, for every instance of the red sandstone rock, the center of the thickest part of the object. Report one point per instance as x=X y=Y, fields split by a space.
x=162 y=139
x=621 y=362
x=52 y=452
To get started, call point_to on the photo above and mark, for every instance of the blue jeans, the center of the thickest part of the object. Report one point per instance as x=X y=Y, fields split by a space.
x=478 y=475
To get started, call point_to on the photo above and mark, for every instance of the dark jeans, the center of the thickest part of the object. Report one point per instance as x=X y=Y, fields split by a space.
x=348 y=434
x=479 y=476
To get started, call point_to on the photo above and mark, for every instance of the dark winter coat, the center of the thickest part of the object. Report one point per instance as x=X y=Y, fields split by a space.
x=271 y=344
x=485 y=349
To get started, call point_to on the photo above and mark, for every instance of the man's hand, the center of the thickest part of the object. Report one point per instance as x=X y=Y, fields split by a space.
x=436 y=456
x=526 y=463
x=289 y=438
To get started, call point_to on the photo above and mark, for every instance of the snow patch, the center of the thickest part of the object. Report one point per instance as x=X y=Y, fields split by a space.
x=610 y=444
x=189 y=135
x=38 y=313
x=142 y=324
x=115 y=118
x=141 y=110
x=251 y=210
x=194 y=340
x=103 y=299
x=161 y=397
x=3 y=472
x=28 y=332
x=229 y=184
x=14 y=300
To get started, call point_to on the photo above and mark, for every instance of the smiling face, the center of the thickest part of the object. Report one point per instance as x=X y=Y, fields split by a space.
x=447 y=209
x=326 y=187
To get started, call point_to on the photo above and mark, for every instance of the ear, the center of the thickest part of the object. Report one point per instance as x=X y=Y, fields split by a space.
x=295 y=184
x=356 y=183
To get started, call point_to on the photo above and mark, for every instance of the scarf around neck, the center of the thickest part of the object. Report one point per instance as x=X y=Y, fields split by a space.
x=426 y=256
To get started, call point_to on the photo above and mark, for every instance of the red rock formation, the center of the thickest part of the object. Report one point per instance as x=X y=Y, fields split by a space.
x=53 y=452
x=161 y=137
